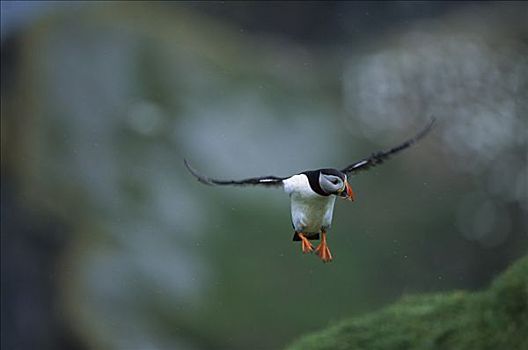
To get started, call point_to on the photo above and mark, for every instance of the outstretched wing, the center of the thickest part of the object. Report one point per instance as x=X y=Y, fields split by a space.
x=264 y=180
x=380 y=157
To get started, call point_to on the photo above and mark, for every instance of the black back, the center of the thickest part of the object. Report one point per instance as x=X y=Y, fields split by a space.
x=313 y=178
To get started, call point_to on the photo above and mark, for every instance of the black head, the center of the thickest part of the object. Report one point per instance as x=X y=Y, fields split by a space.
x=326 y=181
x=333 y=172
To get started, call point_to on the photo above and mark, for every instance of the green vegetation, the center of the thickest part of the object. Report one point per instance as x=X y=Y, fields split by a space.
x=496 y=318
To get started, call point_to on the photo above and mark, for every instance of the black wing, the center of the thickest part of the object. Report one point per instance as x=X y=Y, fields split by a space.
x=380 y=157
x=264 y=180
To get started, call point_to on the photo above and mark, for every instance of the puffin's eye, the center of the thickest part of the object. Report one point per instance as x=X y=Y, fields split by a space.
x=334 y=181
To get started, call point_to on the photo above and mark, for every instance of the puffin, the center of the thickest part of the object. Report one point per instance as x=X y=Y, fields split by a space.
x=313 y=193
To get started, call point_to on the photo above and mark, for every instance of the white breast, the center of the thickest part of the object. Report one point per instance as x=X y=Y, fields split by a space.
x=310 y=211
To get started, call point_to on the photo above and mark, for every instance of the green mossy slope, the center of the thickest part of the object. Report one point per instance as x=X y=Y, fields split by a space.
x=496 y=318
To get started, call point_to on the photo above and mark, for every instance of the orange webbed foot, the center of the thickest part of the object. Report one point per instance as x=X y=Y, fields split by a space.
x=307 y=247
x=322 y=249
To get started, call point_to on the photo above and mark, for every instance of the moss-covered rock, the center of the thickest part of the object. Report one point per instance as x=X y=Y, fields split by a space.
x=496 y=318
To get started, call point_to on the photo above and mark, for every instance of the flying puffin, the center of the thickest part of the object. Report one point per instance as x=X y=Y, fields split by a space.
x=313 y=194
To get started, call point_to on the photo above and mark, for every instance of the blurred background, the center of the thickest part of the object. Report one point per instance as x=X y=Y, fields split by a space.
x=108 y=243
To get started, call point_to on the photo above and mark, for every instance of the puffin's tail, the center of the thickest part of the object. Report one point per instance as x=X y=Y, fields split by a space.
x=309 y=236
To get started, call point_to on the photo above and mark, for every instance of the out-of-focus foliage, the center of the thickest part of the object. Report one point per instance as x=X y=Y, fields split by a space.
x=109 y=98
x=494 y=319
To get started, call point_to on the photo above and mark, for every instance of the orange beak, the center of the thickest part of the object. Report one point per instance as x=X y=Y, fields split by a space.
x=347 y=192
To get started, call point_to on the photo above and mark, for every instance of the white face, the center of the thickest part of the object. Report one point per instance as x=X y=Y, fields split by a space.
x=331 y=184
